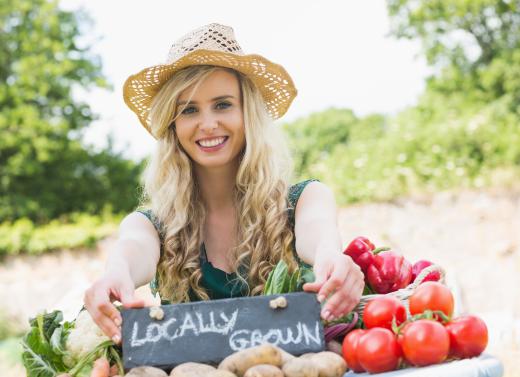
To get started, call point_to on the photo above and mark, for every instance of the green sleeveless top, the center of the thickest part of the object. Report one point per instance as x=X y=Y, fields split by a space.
x=217 y=283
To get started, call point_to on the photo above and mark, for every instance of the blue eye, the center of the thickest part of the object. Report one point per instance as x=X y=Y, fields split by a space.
x=225 y=104
x=188 y=110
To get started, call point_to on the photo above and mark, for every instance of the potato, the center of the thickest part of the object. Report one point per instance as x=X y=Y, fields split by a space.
x=308 y=355
x=241 y=361
x=300 y=367
x=286 y=356
x=221 y=373
x=191 y=370
x=146 y=372
x=263 y=370
x=329 y=364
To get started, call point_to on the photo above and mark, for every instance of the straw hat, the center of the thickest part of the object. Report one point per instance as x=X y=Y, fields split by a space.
x=212 y=44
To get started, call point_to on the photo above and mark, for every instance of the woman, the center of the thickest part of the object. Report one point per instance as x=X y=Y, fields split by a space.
x=220 y=212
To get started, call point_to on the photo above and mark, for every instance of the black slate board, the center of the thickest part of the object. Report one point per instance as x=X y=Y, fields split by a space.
x=208 y=331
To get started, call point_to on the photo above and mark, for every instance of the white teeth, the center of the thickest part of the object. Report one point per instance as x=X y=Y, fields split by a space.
x=212 y=142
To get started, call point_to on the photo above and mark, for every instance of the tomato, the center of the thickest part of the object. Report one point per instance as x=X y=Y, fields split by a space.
x=378 y=351
x=431 y=295
x=380 y=312
x=349 y=349
x=468 y=336
x=424 y=342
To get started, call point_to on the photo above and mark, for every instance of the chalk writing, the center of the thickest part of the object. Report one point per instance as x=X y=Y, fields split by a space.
x=242 y=339
x=170 y=330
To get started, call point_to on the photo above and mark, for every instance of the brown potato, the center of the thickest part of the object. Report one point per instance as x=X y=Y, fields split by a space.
x=191 y=370
x=300 y=367
x=241 y=361
x=286 y=356
x=146 y=372
x=329 y=364
x=221 y=373
x=264 y=370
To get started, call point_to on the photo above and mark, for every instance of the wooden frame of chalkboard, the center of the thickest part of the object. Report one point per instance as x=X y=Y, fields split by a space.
x=208 y=331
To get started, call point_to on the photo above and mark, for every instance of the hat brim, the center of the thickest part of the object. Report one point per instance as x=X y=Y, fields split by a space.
x=272 y=80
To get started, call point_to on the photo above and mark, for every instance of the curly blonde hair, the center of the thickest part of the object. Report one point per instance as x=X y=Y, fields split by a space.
x=260 y=194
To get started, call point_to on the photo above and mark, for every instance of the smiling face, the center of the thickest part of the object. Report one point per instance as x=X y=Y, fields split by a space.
x=211 y=126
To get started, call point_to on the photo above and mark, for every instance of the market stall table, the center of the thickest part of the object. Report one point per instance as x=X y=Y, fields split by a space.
x=482 y=366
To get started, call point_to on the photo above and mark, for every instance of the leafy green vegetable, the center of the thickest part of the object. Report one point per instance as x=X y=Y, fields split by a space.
x=43 y=346
x=281 y=281
x=44 y=349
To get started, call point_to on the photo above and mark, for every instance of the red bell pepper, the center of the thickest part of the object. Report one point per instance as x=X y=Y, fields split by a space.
x=389 y=272
x=360 y=250
x=421 y=265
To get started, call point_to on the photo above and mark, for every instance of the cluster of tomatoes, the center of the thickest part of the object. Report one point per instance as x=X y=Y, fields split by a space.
x=428 y=336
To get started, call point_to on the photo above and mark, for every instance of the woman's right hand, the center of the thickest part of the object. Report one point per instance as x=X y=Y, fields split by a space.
x=99 y=297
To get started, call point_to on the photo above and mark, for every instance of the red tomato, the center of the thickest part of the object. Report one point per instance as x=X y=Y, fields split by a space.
x=378 y=351
x=349 y=349
x=468 y=336
x=431 y=295
x=424 y=342
x=380 y=312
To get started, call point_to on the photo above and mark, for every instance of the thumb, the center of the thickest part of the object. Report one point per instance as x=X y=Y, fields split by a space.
x=129 y=300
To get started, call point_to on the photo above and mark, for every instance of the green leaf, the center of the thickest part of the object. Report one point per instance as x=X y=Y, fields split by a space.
x=279 y=278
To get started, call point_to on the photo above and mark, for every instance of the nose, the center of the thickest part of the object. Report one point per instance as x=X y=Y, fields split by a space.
x=208 y=122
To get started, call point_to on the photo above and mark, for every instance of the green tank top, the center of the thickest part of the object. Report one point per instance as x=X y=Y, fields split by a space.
x=217 y=283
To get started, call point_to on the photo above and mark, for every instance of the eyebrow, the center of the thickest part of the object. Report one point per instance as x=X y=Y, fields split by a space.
x=213 y=99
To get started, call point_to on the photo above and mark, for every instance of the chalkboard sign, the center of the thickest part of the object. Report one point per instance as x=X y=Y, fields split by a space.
x=208 y=331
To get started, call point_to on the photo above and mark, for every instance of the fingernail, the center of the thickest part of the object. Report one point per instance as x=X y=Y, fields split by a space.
x=321 y=298
x=116 y=338
x=117 y=321
x=325 y=314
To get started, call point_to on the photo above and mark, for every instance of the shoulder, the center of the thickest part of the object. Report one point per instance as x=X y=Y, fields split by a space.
x=316 y=196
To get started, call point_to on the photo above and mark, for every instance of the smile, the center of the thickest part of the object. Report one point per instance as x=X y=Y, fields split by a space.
x=212 y=143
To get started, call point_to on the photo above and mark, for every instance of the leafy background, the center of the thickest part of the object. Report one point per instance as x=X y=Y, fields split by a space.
x=56 y=193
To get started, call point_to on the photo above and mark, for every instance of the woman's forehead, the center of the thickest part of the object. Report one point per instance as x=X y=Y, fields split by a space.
x=218 y=84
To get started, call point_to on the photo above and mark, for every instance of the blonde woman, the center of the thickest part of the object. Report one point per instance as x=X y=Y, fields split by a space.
x=219 y=211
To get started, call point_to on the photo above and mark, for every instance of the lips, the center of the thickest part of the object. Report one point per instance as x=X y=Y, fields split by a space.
x=224 y=139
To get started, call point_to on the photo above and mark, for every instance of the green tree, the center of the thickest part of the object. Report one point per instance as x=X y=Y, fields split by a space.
x=45 y=171
x=474 y=44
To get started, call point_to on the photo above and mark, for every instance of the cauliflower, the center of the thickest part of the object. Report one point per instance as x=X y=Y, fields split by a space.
x=84 y=337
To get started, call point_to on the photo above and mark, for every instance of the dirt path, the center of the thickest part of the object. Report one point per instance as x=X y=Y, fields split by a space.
x=475 y=236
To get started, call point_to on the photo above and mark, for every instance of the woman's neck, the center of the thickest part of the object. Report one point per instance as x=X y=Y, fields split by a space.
x=217 y=187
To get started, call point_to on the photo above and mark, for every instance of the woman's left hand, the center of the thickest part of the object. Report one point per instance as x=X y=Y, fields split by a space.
x=340 y=278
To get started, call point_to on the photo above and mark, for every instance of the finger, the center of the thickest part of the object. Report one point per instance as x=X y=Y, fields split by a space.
x=345 y=298
x=109 y=328
x=101 y=368
x=321 y=275
x=335 y=280
x=110 y=310
x=344 y=290
x=129 y=300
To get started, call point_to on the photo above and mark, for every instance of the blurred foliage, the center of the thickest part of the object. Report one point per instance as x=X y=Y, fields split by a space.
x=73 y=231
x=463 y=133
x=45 y=171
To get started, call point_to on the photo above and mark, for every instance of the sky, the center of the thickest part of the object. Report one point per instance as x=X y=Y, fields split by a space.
x=338 y=53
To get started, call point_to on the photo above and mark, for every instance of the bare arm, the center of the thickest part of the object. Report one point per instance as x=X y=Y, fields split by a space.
x=339 y=280
x=316 y=228
x=137 y=249
x=131 y=263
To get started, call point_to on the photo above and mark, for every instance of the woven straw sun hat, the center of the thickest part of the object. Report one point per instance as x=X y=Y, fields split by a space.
x=212 y=44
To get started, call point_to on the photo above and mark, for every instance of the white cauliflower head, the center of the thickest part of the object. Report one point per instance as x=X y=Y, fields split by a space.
x=84 y=337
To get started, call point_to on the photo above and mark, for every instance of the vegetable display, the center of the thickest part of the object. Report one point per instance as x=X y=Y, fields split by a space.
x=429 y=335
x=53 y=346
x=385 y=334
